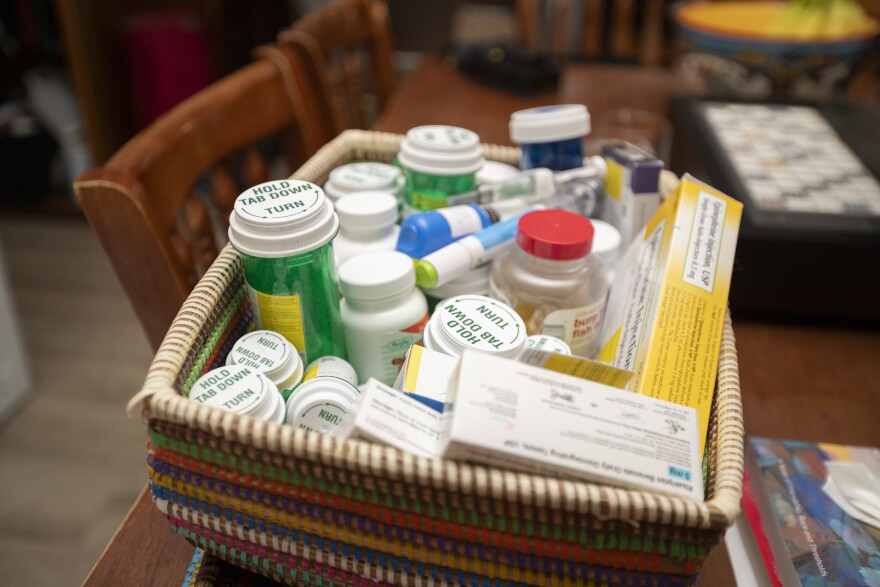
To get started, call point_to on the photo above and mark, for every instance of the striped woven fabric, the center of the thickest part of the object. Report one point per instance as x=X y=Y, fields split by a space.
x=305 y=509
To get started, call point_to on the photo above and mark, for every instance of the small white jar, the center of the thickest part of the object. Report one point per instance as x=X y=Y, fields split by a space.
x=550 y=344
x=477 y=323
x=366 y=176
x=326 y=400
x=271 y=354
x=240 y=389
x=382 y=311
x=367 y=222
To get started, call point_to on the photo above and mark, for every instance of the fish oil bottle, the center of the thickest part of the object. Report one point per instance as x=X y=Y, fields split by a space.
x=552 y=281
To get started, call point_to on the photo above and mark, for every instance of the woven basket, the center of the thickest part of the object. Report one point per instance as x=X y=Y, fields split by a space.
x=303 y=508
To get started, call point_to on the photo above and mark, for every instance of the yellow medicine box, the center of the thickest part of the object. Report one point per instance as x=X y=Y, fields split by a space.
x=666 y=307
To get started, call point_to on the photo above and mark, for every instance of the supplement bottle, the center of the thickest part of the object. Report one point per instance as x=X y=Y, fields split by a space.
x=365 y=176
x=552 y=281
x=425 y=232
x=478 y=323
x=382 y=311
x=437 y=162
x=271 y=354
x=367 y=222
x=240 y=389
x=551 y=136
x=475 y=281
x=283 y=230
x=327 y=398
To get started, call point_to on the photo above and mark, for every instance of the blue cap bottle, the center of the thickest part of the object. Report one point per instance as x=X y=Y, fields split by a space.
x=424 y=233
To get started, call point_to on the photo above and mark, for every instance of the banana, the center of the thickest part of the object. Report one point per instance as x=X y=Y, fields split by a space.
x=819 y=19
x=845 y=19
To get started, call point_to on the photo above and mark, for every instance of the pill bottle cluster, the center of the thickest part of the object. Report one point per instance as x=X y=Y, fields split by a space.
x=441 y=248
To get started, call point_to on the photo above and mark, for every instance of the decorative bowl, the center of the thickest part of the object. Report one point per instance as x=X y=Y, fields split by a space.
x=720 y=51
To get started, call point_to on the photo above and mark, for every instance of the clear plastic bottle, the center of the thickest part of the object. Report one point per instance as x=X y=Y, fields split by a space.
x=552 y=281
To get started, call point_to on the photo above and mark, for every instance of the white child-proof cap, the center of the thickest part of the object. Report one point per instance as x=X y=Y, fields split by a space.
x=281 y=219
x=331 y=366
x=325 y=405
x=477 y=323
x=551 y=344
x=366 y=176
x=377 y=275
x=549 y=123
x=441 y=150
x=367 y=211
x=270 y=353
x=606 y=243
x=240 y=389
x=495 y=172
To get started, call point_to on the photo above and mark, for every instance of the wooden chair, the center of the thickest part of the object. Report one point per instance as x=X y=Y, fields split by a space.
x=160 y=205
x=349 y=44
x=616 y=30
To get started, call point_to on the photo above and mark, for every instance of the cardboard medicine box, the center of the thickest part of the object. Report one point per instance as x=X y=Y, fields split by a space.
x=667 y=305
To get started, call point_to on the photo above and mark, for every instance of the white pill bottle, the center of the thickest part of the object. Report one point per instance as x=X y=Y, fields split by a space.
x=383 y=312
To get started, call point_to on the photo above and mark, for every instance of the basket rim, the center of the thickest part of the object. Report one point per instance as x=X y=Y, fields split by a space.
x=158 y=400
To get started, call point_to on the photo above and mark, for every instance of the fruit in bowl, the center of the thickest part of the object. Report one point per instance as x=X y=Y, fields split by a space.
x=804 y=49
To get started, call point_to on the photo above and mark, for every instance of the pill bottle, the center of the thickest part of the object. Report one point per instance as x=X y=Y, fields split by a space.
x=552 y=281
x=493 y=172
x=327 y=398
x=365 y=176
x=382 y=311
x=551 y=136
x=271 y=354
x=283 y=230
x=437 y=162
x=477 y=323
x=367 y=222
x=242 y=390
x=425 y=232
x=550 y=344
x=475 y=281
x=606 y=246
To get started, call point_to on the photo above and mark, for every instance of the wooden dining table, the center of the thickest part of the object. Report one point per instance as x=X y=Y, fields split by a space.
x=799 y=380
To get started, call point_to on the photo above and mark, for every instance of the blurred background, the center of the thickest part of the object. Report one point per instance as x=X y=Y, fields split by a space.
x=79 y=78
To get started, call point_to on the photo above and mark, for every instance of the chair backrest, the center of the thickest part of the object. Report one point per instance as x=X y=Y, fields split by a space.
x=624 y=30
x=160 y=205
x=349 y=43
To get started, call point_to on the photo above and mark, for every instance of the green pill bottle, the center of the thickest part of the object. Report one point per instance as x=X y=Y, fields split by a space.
x=283 y=230
x=437 y=162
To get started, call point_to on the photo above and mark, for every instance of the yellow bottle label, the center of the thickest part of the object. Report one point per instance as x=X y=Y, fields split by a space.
x=282 y=314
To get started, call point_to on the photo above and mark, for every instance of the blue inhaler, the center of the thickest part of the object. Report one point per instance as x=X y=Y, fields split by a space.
x=424 y=233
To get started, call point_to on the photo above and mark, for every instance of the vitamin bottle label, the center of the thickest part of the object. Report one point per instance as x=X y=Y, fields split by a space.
x=425 y=199
x=393 y=346
x=281 y=314
x=463 y=220
x=578 y=327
